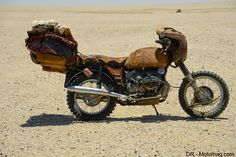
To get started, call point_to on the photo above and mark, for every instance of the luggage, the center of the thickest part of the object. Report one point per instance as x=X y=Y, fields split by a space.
x=150 y=57
x=180 y=50
x=52 y=46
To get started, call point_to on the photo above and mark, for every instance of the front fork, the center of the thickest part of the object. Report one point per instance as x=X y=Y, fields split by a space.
x=188 y=76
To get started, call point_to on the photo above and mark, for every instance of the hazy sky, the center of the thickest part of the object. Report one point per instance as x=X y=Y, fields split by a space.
x=94 y=2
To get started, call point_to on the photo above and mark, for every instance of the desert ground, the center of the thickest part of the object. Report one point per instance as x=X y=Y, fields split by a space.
x=35 y=120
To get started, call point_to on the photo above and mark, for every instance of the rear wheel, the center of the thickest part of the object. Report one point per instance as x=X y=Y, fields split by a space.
x=88 y=106
x=210 y=101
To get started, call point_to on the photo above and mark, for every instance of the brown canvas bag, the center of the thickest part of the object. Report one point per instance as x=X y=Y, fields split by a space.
x=147 y=57
x=181 y=51
x=54 y=52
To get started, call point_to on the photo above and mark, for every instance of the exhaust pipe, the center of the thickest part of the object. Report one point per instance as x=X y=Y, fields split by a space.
x=95 y=91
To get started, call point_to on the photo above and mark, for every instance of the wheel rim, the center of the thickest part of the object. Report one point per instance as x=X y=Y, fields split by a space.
x=211 y=88
x=90 y=103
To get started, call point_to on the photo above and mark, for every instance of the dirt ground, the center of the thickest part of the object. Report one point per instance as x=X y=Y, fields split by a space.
x=35 y=120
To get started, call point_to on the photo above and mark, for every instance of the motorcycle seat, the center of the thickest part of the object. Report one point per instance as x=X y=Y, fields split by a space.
x=114 y=62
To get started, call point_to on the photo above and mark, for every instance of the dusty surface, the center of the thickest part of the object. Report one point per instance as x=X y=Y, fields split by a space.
x=34 y=118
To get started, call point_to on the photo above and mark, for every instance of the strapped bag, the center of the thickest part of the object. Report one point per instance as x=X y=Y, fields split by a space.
x=147 y=57
x=52 y=46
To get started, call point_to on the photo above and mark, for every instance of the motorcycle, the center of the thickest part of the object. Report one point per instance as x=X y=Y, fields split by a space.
x=96 y=83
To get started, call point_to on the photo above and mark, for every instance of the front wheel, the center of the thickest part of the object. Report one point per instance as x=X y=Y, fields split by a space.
x=88 y=106
x=211 y=99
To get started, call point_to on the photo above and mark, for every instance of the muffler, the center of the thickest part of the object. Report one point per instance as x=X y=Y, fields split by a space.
x=95 y=91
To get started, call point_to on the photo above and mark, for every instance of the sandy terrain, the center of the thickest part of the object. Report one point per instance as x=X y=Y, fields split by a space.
x=35 y=120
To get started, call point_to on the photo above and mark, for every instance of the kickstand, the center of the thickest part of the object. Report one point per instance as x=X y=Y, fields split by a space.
x=155 y=109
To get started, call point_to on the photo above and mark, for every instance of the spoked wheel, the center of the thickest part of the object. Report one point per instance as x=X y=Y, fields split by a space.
x=210 y=101
x=88 y=106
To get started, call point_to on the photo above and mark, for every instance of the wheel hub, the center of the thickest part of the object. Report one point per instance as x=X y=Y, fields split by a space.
x=92 y=100
x=205 y=94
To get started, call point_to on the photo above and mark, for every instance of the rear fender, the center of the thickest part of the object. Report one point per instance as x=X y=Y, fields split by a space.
x=70 y=76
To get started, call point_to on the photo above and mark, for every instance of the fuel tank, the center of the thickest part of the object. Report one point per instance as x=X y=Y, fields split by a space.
x=149 y=57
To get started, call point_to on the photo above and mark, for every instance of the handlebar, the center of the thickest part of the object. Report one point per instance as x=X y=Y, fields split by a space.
x=159 y=42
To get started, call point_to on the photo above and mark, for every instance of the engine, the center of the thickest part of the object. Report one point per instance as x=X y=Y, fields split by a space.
x=145 y=82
